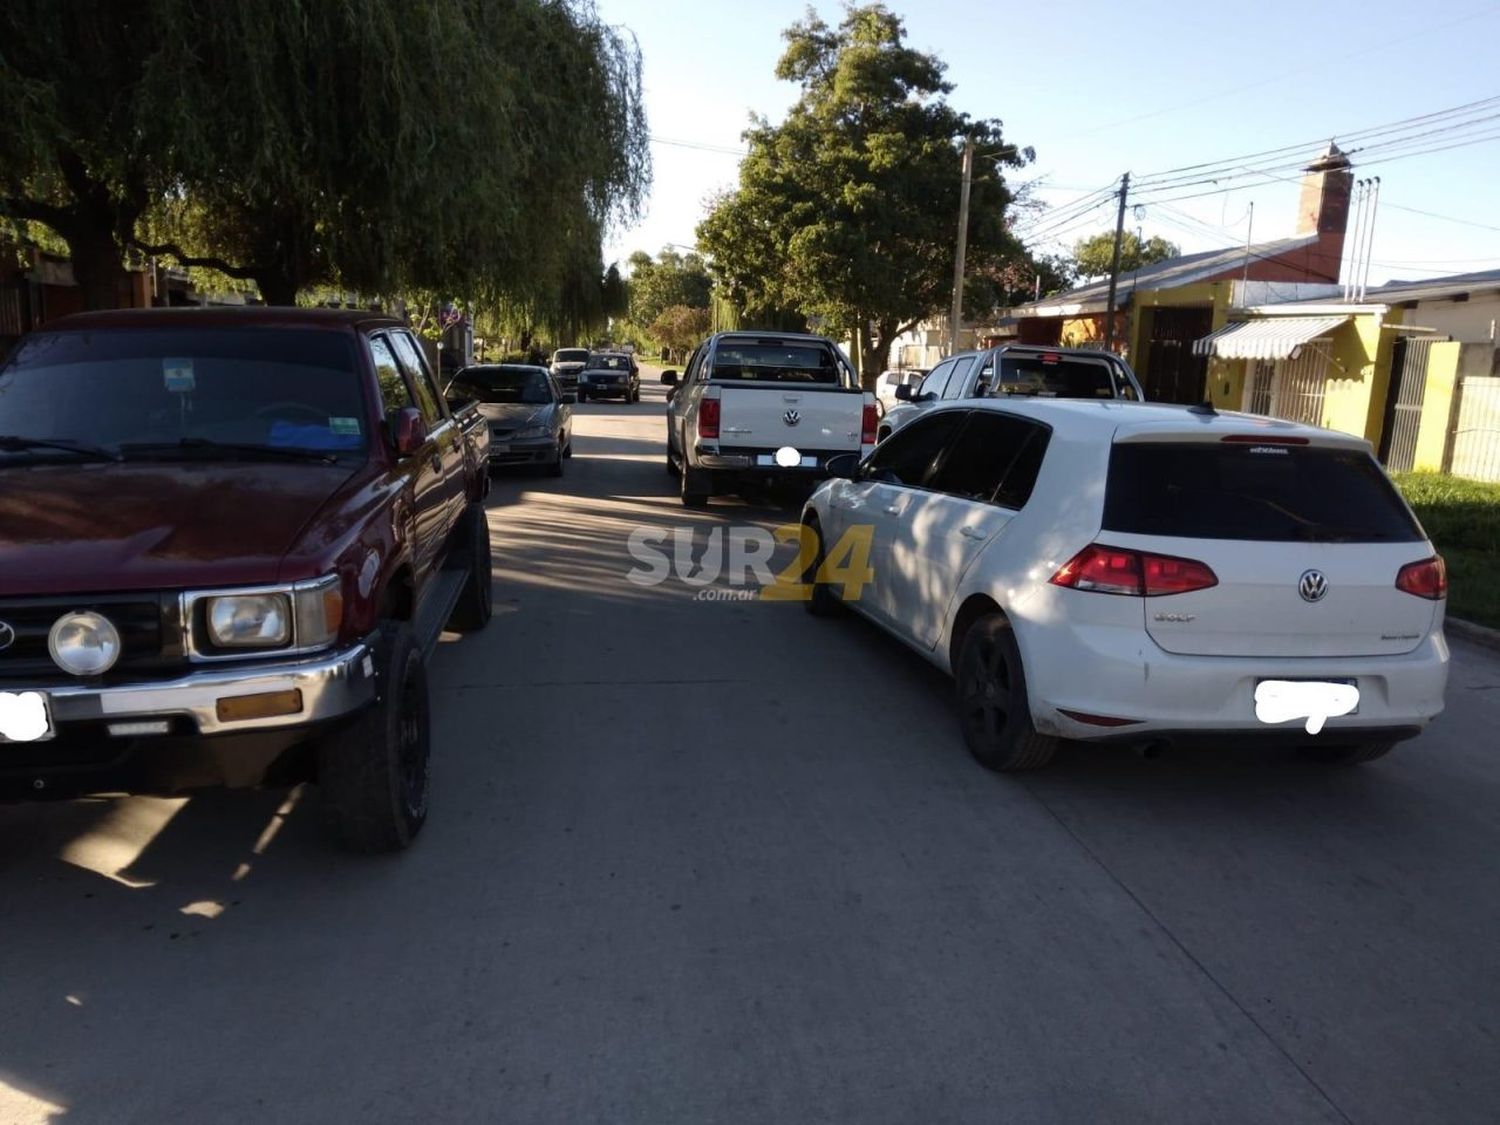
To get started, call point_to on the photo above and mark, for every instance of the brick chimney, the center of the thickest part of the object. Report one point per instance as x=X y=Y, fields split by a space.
x=1324 y=210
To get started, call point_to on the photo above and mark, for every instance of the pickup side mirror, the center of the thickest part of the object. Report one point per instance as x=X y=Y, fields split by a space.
x=408 y=431
x=669 y=378
x=906 y=392
x=845 y=466
x=569 y=397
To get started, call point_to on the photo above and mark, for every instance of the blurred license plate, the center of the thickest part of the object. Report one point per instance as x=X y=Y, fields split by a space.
x=25 y=717
x=1292 y=680
x=769 y=459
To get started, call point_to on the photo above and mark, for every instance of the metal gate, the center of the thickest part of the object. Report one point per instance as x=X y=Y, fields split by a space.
x=1476 y=437
x=1403 y=403
x=1301 y=383
x=1173 y=372
x=1258 y=386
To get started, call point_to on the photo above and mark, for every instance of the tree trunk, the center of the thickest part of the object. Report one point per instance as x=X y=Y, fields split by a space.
x=276 y=288
x=98 y=269
x=876 y=351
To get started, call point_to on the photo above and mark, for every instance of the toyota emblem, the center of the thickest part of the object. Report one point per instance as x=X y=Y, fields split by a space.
x=1313 y=585
x=791 y=417
x=7 y=636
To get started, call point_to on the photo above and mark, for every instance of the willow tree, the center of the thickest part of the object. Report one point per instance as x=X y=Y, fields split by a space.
x=848 y=209
x=90 y=130
x=372 y=145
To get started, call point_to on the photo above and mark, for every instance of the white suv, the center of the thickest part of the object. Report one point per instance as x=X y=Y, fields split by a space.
x=1143 y=573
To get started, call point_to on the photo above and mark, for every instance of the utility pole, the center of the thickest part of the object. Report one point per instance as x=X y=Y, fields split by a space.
x=955 y=319
x=1114 y=268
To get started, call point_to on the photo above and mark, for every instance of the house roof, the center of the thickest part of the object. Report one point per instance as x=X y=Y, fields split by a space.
x=1435 y=288
x=1184 y=270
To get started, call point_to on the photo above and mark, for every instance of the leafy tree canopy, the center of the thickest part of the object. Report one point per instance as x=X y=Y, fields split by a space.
x=679 y=328
x=1092 y=256
x=848 y=209
x=374 y=145
x=670 y=279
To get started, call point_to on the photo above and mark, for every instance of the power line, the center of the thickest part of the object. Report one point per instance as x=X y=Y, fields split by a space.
x=1278 y=156
x=700 y=146
x=1321 y=64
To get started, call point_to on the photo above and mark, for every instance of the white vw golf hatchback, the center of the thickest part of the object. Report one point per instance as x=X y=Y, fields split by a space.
x=1144 y=573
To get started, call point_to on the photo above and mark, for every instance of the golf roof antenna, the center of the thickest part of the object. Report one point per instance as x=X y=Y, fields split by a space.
x=1204 y=408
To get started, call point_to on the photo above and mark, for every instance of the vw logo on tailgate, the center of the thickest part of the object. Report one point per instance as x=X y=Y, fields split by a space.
x=7 y=636
x=791 y=417
x=1312 y=585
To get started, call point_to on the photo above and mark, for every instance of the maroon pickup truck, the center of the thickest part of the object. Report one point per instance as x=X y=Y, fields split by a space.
x=228 y=541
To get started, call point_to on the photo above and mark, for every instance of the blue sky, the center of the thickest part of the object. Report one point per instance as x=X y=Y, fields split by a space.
x=1101 y=88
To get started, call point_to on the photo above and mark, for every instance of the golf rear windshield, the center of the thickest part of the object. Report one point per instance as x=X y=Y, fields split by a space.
x=1240 y=490
x=1055 y=376
x=754 y=361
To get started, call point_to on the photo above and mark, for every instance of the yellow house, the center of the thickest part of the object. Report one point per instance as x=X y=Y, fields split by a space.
x=1326 y=364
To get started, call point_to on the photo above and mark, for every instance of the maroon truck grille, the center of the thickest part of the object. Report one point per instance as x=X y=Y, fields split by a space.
x=148 y=623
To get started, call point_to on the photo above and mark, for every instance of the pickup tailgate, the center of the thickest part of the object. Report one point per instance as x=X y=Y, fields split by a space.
x=772 y=415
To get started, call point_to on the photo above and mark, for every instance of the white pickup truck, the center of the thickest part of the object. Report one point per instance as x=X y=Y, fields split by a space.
x=769 y=406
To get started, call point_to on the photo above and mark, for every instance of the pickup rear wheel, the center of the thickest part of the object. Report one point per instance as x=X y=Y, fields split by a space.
x=697 y=486
x=555 y=469
x=374 y=770
x=477 y=603
x=993 y=708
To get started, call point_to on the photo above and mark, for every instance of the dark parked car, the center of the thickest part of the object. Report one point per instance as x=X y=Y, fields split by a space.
x=229 y=538
x=531 y=421
x=610 y=375
x=567 y=363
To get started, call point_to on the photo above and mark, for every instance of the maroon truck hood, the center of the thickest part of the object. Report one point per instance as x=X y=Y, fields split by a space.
x=72 y=528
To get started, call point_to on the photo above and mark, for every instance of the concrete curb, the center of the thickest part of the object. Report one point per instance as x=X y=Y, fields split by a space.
x=1474 y=634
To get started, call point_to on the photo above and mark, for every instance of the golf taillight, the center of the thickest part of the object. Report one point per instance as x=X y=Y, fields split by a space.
x=869 y=425
x=1425 y=579
x=708 y=418
x=1114 y=570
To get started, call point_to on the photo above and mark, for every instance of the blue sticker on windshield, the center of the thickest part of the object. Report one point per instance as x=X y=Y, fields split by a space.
x=177 y=375
x=295 y=435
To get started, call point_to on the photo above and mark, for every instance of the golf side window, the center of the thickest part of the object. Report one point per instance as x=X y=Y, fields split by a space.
x=907 y=456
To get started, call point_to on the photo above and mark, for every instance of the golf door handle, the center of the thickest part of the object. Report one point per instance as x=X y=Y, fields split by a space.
x=972 y=533
x=893 y=510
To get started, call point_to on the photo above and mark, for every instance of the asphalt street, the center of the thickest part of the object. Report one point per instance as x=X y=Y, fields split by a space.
x=712 y=861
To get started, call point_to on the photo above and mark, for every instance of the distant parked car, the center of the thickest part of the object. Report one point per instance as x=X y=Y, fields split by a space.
x=566 y=364
x=1140 y=573
x=530 y=418
x=1023 y=369
x=885 y=386
x=610 y=375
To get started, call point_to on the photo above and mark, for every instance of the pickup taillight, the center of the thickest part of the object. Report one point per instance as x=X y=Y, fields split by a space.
x=708 y=418
x=869 y=425
x=1138 y=574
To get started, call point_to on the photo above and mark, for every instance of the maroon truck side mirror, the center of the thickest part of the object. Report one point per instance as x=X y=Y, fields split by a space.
x=408 y=430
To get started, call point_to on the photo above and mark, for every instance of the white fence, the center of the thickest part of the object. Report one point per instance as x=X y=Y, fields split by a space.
x=1476 y=432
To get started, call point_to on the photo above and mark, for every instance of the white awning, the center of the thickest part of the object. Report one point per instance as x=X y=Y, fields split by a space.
x=1277 y=337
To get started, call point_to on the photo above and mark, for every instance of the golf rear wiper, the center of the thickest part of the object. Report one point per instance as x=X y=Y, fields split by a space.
x=208 y=449
x=16 y=443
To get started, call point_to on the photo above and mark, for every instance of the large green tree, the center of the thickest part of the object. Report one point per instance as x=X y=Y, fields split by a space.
x=374 y=145
x=670 y=279
x=92 y=131
x=1093 y=256
x=848 y=209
